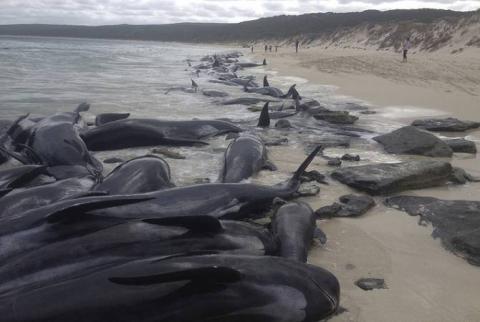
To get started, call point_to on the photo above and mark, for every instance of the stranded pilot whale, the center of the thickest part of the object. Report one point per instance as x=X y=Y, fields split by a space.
x=293 y=227
x=67 y=258
x=53 y=141
x=131 y=133
x=216 y=287
x=244 y=157
x=143 y=174
x=221 y=200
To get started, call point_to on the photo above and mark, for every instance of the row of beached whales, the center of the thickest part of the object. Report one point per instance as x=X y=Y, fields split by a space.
x=78 y=246
x=455 y=222
x=132 y=247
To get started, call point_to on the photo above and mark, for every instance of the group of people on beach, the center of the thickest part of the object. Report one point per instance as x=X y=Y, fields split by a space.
x=270 y=47
x=405 y=48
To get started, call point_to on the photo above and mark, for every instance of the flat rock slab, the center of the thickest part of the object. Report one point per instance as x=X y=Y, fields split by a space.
x=462 y=145
x=386 y=178
x=314 y=175
x=369 y=284
x=308 y=189
x=350 y=157
x=340 y=117
x=349 y=206
x=410 y=140
x=328 y=211
x=355 y=205
x=446 y=125
x=455 y=222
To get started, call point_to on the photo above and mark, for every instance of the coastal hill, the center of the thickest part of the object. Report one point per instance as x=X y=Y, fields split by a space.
x=429 y=29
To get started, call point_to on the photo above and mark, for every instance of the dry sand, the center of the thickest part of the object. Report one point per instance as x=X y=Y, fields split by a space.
x=426 y=283
x=449 y=82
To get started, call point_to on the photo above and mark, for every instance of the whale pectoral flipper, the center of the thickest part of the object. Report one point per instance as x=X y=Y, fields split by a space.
x=206 y=224
x=203 y=275
x=78 y=207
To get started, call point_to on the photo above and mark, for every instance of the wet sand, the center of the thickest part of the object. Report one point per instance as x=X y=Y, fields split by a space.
x=426 y=283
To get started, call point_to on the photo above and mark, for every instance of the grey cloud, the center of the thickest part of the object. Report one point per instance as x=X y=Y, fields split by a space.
x=97 y=12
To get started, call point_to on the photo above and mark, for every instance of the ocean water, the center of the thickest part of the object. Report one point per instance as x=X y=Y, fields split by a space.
x=41 y=76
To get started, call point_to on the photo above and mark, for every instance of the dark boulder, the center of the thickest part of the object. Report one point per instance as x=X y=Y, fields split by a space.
x=336 y=117
x=314 y=175
x=334 y=162
x=410 y=140
x=455 y=222
x=462 y=145
x=328 y=211
x=355 y=205
x=369 y=284
x=446 y=125
x=349 y=206
x=350 y=157
x=386 y=178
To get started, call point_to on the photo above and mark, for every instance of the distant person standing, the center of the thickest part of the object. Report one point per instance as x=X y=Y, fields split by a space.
x=252 y=48
x=270 y=48
x=406 y=47
x=266 y=48
x=296 y=45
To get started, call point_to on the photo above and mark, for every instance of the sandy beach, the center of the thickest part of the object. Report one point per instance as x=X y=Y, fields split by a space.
x=426 y=283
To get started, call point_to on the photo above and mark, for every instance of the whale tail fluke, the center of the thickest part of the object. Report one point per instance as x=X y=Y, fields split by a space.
x=294 y=182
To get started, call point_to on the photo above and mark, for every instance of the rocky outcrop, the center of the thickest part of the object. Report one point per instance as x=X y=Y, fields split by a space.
x=349 y=206
x=410 y=140
x=462 y=145
x=369 y=284
x=386 y=178
x=446 y=125
x=336 y=117
x=455 y=222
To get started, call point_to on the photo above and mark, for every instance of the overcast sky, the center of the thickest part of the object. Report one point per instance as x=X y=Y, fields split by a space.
x=98 y=12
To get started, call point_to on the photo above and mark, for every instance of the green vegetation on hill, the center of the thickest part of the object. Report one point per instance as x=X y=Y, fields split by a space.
x=280 y=27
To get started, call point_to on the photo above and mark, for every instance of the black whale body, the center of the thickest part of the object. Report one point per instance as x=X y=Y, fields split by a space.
x=244 y=157
x=218 y=287
x=138 y=175
x=71 y=257
x=221 y=200
x=130 y=133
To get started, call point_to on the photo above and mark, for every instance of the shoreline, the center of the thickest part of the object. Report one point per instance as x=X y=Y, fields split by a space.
x=426 y=283
x=440 y=81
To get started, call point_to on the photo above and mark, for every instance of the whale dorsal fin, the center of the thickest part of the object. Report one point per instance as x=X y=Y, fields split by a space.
x=204 y=275
x=264 y=120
